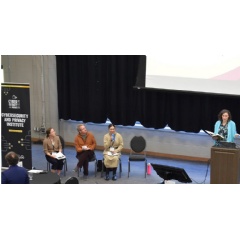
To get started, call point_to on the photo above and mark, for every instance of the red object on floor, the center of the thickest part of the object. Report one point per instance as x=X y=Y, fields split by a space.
x=149 y=168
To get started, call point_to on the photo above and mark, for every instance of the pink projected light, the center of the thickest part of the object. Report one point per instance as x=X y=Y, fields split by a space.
x=233 y=75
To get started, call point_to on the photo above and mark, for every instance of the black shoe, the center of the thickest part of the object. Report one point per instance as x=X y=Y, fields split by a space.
x=114 y=178
x=107 y=177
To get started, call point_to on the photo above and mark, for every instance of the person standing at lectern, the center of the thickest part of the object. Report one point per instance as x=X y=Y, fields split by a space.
x=225 y=126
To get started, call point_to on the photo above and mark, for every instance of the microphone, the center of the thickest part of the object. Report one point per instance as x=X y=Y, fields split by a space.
x=113 y=137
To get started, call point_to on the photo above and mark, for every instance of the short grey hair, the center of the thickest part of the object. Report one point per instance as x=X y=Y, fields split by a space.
x=80 y=125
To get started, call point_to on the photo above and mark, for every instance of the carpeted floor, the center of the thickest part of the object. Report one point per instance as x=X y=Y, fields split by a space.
x=198 y=172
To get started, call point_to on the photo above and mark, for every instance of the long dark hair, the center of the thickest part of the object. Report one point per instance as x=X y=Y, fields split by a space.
x=111 y=125
x=225 y=111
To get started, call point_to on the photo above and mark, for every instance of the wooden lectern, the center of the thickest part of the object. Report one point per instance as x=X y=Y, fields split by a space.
x=225 y=165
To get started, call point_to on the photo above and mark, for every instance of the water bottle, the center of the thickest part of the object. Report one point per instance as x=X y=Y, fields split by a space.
x=149 y=168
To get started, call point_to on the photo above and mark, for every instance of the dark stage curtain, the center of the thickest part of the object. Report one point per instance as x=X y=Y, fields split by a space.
x=94 y=88
x=185 y=111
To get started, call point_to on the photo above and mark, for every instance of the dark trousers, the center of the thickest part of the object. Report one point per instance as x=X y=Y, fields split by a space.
x=83 y=159
x=111 y=169
x=56 y=164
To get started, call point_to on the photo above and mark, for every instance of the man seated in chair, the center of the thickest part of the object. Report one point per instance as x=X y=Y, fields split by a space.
x=113 y=144
x=85 y=144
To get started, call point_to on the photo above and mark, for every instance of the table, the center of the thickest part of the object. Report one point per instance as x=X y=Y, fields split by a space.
x=45 y=178
x=3 y=169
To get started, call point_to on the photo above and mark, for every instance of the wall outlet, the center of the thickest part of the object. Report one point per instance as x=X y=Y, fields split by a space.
x=43 y=130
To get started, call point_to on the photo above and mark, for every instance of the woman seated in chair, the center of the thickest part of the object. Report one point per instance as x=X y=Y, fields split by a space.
x=113 y=144
x=52 y=145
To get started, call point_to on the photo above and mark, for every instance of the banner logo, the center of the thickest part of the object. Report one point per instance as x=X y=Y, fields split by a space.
x=14 y=103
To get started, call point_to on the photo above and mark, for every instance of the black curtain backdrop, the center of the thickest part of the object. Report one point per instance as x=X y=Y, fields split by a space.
x=94 y=88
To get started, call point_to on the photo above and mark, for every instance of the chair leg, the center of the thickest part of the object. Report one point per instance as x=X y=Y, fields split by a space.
x=102 y=169
x=145 y=169
x=120 y=168
x=66 y=165
x=128 y=167
x=48 y=166
x=95 y=168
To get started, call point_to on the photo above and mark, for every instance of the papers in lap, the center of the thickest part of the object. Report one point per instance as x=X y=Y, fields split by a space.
x=112 y=154
x=59 y=155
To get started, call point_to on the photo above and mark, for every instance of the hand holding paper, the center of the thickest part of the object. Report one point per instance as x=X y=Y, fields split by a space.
x=84 y=148
x=214 y=136
x=58 y=155
x=112 y=154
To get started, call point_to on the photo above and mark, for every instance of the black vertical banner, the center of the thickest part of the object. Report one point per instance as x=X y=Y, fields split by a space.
x=16 y=124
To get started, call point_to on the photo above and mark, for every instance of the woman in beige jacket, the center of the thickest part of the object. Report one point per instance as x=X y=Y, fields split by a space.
x=113 y=144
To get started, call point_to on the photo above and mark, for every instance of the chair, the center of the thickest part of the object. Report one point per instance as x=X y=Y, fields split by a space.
x=63 y=146
x=72 y=180
x=137 y=152
x=94 y=160
x=119 y=166
x=64 y=161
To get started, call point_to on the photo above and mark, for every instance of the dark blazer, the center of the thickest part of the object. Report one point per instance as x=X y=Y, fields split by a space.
x=15 y=175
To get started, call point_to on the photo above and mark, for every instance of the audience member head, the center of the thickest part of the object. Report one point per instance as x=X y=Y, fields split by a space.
x=12 y=158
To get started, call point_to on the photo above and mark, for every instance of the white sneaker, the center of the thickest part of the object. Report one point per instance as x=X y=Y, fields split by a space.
x=75 y=169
